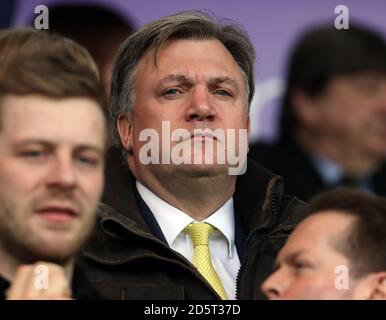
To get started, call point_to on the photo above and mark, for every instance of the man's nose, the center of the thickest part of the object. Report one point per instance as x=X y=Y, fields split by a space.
x=63 y=173
x=274 y=286
x=200 y=106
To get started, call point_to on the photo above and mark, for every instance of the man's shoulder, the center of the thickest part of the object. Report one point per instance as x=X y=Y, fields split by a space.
x=263 y=192
x=108 y=222
x=293 y=210
x=82 y=287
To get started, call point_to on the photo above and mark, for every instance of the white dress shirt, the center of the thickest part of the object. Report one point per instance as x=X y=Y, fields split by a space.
x=173 y=221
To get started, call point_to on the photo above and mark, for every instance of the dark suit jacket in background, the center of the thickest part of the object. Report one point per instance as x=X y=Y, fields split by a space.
x=302 y=180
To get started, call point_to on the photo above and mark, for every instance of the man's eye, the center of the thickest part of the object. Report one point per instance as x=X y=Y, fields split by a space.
x=32 y=153
x=223 y=92
x=92 y=161
x=300 y=265
x=172 y=92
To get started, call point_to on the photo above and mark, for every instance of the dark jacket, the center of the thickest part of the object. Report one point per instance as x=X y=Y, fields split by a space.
x=80 y=287
x=125 y=260
x=287 y=159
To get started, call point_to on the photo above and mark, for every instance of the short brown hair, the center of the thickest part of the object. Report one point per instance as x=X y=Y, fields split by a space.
x=37 y=62
x=365 y=243
x=196 y=25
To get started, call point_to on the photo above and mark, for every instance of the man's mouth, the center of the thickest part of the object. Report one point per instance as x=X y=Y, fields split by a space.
x=57 y=213
x=203 y=136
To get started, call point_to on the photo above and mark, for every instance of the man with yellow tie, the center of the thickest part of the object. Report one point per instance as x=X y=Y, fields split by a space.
x=185 y=215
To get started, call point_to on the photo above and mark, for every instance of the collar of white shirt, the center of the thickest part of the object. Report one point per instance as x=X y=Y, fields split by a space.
x=173 y=221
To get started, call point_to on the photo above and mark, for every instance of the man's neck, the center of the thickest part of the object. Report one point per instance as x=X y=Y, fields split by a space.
x=10 y=264
x=355 y=163
x=198 y=197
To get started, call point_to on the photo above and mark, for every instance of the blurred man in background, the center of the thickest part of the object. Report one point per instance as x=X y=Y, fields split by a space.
x=6 y=12
x=333 y=123
x=53 y=134
x=99 y=29
x=338 y=252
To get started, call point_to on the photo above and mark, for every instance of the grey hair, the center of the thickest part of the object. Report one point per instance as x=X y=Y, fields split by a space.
x=198 y=25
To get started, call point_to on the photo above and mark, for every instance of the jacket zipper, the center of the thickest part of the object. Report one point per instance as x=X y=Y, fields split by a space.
x=275 y=212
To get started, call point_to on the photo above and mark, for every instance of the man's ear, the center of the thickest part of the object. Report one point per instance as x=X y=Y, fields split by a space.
x=125 y=129
x=372 y=287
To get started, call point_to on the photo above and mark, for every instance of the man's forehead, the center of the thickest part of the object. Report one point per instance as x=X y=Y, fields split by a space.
x=34 y=103
x=23 y=108
x=155 y=52
x=25 y=120
x=188 y=49
x=211 y=69
x=319 y=230
x=323 y=223
x=187 y=77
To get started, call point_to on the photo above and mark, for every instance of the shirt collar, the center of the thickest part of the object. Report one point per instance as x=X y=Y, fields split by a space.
x=330 y=172
x=222 y=219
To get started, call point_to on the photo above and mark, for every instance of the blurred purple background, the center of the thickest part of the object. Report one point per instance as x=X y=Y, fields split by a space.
x=272 y=25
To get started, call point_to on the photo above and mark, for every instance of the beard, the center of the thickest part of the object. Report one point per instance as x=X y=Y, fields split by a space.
x=29 y=243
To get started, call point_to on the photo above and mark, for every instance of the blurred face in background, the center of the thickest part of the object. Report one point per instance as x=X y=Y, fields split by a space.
x=352 y=112
x=309 y=266
x=51 y=175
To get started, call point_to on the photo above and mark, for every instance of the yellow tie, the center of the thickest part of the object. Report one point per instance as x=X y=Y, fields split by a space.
x=199 y=233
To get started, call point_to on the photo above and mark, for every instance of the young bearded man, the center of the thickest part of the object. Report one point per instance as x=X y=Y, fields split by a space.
x=52 y=144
